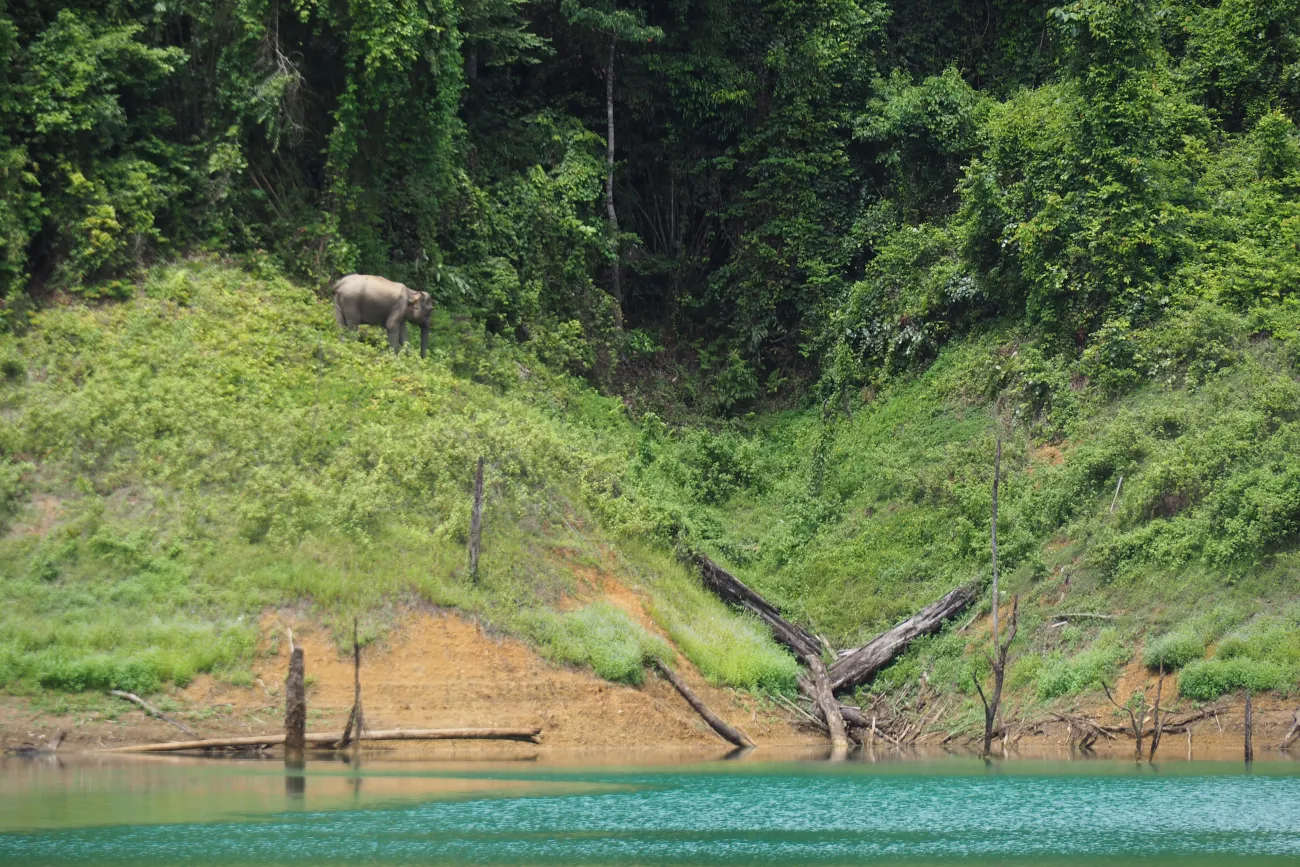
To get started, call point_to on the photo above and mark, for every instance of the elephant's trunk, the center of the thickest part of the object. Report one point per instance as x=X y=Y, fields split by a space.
x=424 y=339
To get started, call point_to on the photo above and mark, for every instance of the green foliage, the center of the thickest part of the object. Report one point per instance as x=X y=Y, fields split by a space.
x=1087 y=669
x=601 y=636
x=1207 y=679
x=12 y=488
x=1173 y=651
x=215 y=446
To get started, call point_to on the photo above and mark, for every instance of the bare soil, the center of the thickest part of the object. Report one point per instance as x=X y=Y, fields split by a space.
x=435 y=670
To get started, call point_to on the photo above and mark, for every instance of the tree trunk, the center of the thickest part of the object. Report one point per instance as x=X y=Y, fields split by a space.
x=725 y=730
x=1250 y=749
x=611 y=215
x=476 y=522
x=356 y=719
x=826 y=703
x=999 y=662
x=993 y=537
x=295 y=708
x=856 y=668
x=1156 y=726
x=732 y=589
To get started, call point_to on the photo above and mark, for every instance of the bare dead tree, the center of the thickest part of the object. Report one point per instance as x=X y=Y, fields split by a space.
x=993 y=535
x=356 y=719
x=1156 y=721
x=1250 y=748
x=476 y=522
x=1135 y=719
x=998 y=660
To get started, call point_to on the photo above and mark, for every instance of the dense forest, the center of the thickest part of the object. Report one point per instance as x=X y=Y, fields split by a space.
x=821 y=191
x=766 y=279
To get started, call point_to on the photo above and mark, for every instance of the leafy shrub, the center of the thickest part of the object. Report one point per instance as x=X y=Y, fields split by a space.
x=1061 y=676
x=599 y=635
x=1173 y=650
x=12 y=488
x=719 y=464
x=1207 y=679
x=12 y=367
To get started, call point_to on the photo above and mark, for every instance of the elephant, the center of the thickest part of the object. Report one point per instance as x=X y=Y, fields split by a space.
x=361 y=299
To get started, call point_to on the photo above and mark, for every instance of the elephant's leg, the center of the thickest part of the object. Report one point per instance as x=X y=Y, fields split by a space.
x=395 y=339
x=401 y=334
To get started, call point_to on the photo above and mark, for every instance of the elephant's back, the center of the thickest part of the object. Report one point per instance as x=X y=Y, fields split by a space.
x=368 y=286
x=366 y=298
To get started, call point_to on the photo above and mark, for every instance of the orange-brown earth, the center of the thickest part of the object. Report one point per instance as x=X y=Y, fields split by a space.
x=433 y=670
x=439 y=669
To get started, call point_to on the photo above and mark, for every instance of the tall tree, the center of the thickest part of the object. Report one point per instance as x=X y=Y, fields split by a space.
x=611 y=25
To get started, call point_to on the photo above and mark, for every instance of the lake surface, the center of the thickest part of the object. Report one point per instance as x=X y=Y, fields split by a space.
x=155 y=811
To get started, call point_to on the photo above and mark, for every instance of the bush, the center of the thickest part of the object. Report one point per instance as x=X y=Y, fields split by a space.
x=601 y=636
x=1173 y=651
x=1059 y=676
x=1207 y=679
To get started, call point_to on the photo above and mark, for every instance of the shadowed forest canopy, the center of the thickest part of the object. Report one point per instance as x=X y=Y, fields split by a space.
x=801 y=191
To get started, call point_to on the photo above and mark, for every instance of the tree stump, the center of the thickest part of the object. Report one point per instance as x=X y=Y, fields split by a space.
x=295 y=709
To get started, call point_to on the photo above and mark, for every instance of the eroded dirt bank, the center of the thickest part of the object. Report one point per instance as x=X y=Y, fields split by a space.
x=434 y=670
x=441 y=670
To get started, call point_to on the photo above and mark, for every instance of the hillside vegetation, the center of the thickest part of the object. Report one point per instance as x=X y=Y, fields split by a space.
x=214 y=447
x=767 y=280
x=178 y=463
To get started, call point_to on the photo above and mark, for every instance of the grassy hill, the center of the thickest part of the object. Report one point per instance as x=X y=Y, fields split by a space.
x=172 y=465
x=177 y=463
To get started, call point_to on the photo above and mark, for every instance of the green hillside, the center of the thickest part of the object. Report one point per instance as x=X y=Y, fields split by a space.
x=763 y=279
x=214 y=447
x=177 y=463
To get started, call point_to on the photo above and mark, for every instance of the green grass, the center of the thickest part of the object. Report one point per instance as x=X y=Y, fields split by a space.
x=215 y=447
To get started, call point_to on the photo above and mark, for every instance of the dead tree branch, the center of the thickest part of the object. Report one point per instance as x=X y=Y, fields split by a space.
x=153 y=711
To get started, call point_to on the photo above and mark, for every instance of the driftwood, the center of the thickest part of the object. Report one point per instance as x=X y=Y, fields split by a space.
x=733 y=590
x=153 y=711
x=725 y=730
x=531 y=735
x=37 y=750
x=1294 y=733
x=862 y=664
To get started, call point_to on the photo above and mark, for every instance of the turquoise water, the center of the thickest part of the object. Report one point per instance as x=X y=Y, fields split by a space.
x=954 y=811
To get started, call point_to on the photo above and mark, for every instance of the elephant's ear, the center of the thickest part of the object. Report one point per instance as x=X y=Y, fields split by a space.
x=412 y=297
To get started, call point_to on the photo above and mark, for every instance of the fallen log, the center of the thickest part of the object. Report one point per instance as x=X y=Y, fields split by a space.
x=152 y=711
x=862 y=664
x=531 y=735
x=725 y=730
x=1295 y=731
x=733 y=590
x=36 y=749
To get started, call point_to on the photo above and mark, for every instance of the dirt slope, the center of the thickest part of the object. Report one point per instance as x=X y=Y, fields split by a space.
x=434 y=670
